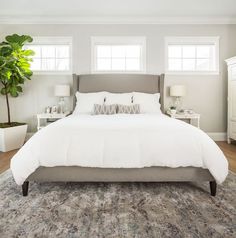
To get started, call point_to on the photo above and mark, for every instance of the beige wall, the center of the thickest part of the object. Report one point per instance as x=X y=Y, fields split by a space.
x=206 y=94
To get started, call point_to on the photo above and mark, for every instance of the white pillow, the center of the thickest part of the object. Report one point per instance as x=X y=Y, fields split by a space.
x=119 y=98
x=85 y=102
x=149 y=103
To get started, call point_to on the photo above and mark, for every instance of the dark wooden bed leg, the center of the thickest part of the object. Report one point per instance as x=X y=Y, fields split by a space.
x=25 y=188
x=213 y=186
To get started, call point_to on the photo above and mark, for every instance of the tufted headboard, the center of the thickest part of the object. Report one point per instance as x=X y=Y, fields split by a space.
x=119 y=83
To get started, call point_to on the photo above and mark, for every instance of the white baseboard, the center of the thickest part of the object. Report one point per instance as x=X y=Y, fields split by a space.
x=218 y=136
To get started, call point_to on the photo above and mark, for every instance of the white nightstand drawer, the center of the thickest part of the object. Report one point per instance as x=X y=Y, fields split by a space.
x=46 y=118
x=193 y=119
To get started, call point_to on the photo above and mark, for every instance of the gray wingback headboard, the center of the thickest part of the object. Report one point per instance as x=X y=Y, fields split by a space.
x=119 y=83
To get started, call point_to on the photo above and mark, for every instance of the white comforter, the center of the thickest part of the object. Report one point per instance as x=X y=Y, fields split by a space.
x=119 y=141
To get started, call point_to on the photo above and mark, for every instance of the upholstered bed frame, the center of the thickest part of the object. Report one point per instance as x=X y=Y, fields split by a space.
x=119 y=83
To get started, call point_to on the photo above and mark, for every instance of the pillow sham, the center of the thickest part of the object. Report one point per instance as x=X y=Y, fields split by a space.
x=149 y=103
x=85 y=102
x=128 y=109
x=104 y=109
x=118 y=98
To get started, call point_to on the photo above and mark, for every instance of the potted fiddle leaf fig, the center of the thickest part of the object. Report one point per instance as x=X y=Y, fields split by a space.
x=14 y=71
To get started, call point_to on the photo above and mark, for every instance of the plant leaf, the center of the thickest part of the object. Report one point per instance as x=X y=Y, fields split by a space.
x=28 y=52
x=3 y=91
x=19 y=89
x=20 y=40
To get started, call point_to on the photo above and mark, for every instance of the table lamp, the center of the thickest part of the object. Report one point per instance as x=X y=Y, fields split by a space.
x=177 y=91
x=62 y=91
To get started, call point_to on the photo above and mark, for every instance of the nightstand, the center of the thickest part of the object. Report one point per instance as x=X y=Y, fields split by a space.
x=47 y=118
x=193 y=119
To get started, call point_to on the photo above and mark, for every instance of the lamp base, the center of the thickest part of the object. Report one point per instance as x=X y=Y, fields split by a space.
x=178 y=104
x=61 y=105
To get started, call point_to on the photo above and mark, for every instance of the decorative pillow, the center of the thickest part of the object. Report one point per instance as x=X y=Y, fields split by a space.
x=86 y=101
x=149 y=103
x=118 y=98
x=128 y=109
x=104 y=109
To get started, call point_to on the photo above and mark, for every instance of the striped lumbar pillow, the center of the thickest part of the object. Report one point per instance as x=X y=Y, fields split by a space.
x=129 y=109
x=104 y=109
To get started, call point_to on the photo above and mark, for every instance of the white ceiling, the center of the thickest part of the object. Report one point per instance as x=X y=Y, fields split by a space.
x=111 y=11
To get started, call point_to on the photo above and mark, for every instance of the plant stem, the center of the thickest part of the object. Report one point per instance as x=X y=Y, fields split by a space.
x=8 y=110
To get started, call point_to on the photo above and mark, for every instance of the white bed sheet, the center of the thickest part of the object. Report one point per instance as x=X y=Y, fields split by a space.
x=119 y=141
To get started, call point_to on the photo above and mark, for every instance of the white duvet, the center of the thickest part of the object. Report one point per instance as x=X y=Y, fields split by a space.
x=119 y=141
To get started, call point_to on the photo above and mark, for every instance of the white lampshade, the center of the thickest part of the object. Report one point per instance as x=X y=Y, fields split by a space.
x=62 y=90
x=177 y=91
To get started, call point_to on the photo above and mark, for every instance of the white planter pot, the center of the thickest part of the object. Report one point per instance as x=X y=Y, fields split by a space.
x=12 y=138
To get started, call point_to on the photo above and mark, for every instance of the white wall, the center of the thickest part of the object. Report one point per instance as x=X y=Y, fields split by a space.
x=206 y=94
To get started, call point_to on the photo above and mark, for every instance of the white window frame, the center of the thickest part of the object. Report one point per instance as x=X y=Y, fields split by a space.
x=120 y=40
x=192 y=41
x=54 y=41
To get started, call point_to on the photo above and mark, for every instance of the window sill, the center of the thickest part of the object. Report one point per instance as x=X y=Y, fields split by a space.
x=52 y=72
x=192 y=73
x=118 y=72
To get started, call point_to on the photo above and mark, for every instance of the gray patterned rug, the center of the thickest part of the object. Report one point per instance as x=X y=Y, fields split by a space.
x=117 y=210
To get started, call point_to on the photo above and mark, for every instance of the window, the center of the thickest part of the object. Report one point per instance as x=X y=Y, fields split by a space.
x=52 y=54
x=118 y=54
x=192 y=55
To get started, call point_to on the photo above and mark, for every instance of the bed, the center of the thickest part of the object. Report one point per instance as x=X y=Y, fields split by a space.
x=59 y=139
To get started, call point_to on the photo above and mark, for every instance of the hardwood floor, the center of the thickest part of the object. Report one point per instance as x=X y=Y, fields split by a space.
x=5 y=160
x=229 y=151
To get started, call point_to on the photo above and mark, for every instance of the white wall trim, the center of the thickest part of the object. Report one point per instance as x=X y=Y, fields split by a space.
x=218 y=136
x=54 y=41
x=193 y=40
x=118 y=40
x=114 y=20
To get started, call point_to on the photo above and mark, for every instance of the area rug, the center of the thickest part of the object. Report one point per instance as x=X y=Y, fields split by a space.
x=117 y=209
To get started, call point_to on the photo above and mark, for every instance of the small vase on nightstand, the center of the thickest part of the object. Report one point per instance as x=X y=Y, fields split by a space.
x=172 y=110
